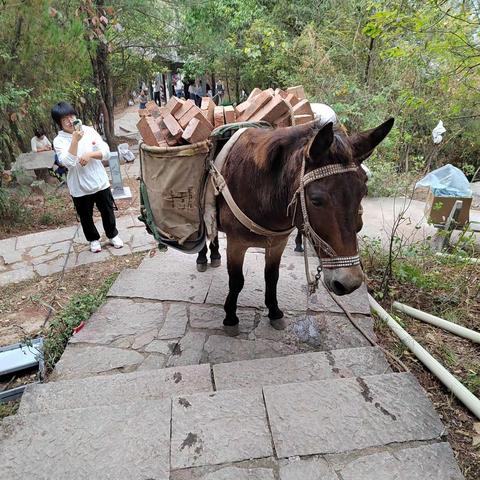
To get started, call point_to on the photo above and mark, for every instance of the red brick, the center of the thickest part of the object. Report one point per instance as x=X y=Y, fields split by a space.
x=256 y=104
x=301 y=119
x=241 y=107
x=143 y=112
x=150 y=131
x=173 y=105
x=197 y=130
x=229 y=112
x=219 y=118
x=192 y=113
x=208 y=108
x=153 y=109
x=292 y=99
x=275 y=109
x=254 y=93
x=285 y=121
x=187 y=105
x=281 y=92
x=302 y=108
x=297 y=91
x=172 y=125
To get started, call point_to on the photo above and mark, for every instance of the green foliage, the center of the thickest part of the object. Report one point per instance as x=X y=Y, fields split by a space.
x=12 y=207
x=60 y=329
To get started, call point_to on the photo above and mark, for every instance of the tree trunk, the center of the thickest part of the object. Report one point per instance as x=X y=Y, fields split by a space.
x=368 y=67
x=103 y=81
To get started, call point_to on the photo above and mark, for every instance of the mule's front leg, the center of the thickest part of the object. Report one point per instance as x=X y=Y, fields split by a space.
x=273 y=255
x=235 y=256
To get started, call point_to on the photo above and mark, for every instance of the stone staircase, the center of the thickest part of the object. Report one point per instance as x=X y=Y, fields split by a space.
x=151 y=388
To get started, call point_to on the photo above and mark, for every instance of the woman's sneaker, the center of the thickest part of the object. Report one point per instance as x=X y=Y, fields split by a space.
x=95 y=246
x=116 y=242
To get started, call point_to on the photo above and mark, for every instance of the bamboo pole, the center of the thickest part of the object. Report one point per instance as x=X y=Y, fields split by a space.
x=456 y=387
x=438 y=322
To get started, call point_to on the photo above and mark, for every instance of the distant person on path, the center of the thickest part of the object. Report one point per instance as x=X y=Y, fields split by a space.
x=157 y=89
x=81 y=149
x=199 y=92
x=191 y=92
x=143 y=99
x=220 y=91
x=179 y=88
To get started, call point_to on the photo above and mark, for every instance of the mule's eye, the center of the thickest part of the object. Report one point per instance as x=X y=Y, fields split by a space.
x=318 y=200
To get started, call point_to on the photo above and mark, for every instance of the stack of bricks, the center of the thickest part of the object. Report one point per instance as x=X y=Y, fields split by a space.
x=181 y=122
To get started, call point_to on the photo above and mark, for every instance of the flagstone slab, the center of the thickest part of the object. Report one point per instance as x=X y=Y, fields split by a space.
x=15 y=276
x=308 y=469
x=118 y=318
x=427 y=462
x=51 y=266
x=176 y=320
x=166 y=276
x=221 y=349
x=104 y=390
x=189 y=350
x=300 y=368
x=211 y=317
x=334 y=416
x=85 y=361
x=97 y=443
x=216 y=428
x=46 y=237
x=250 y=470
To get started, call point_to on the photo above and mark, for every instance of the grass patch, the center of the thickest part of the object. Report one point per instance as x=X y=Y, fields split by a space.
x=9 y=408
x=78 y=309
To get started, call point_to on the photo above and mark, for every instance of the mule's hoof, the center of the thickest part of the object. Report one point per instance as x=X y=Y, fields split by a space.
x=298 y=248
x=232 y=330
x=202 y=267
x=215 y=262
x=279 y=324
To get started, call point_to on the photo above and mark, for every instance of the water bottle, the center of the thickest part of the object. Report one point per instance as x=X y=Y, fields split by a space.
x=95 y=147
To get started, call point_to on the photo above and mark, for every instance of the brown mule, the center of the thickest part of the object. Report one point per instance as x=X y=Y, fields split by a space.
x=312 y=166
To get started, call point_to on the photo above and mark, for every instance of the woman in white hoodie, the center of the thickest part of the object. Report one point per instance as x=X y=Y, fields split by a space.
x=82 y=152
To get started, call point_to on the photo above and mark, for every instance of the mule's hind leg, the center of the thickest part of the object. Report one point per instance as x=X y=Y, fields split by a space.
x=215 y=257
x=235 y=257
x=273 y=255
x=202 y=259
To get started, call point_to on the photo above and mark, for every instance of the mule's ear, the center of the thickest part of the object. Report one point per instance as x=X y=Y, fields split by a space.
x=321 y=142
x=364 y=143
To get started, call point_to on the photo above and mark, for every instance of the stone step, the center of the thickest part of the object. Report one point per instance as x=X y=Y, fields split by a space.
x=342 y=419
x=311 y=418
x=109 y=442
x=304 y=367
x=116 y=389
x=159 y=383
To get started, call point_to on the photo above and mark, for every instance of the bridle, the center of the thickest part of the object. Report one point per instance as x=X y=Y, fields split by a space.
x=332 y=260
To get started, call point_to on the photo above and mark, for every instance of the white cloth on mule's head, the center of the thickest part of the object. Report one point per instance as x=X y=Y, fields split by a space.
x=324 y=113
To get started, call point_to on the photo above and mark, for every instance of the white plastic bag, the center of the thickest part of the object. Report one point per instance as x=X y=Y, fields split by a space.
x=447 y=181
x=125 y=153
x=437 y=133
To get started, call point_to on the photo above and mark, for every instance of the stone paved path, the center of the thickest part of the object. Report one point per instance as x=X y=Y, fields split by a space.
x=152 y=388
x=44 y=253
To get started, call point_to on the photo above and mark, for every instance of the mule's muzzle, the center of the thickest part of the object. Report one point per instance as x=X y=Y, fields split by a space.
x=343 y=281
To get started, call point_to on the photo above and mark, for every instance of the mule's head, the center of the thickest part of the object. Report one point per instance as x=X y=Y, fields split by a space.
x=333 y=202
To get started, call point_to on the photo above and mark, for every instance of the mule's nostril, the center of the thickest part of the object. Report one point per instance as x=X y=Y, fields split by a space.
x=339 y=288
